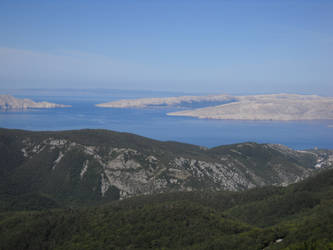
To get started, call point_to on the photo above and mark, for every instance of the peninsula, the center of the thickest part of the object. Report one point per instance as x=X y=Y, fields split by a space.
x=10 y=102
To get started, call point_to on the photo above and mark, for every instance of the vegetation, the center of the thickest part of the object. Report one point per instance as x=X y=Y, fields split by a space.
x=32 y=163
x=296 y=217
x=47 y=207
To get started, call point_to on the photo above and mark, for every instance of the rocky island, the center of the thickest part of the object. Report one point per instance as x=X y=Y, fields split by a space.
x=168 y=101
x=282 y=107
x=10 y=102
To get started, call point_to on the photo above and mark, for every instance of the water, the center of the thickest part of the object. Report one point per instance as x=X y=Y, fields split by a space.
x=154 y=123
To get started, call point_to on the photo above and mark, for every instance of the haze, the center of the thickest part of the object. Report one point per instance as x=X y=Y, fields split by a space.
x=197 y=46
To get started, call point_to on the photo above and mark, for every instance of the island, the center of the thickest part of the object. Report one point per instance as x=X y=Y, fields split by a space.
x=280 y=107
x=8 y=102
x=179 y=101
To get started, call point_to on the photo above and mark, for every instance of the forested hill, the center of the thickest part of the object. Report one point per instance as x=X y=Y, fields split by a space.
x=299 y=216
x=93 y=166
x=61 y=190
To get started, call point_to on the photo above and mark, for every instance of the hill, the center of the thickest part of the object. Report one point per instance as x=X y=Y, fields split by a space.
x=299 y=216
x=94 y=166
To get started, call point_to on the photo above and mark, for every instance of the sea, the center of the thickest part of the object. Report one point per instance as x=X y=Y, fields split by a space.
x=154 y=123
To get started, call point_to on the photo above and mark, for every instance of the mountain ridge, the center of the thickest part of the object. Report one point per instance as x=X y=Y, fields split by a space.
x=100 y=165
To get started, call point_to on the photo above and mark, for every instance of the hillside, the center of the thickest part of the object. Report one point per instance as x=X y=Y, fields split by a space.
x=93 y=166
x=296 y=217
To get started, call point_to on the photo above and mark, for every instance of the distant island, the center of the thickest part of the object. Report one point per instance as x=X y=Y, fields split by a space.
x=282 y=107
x=9 y=102
x=179 y=101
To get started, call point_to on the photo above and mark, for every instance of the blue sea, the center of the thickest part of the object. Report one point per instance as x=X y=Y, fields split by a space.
x=154 y=123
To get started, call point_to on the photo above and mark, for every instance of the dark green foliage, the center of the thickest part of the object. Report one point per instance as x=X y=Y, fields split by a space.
x=29 y=201
x=296 y=217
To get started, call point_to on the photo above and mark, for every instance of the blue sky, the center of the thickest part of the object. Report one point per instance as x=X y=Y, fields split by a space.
x=190 y=46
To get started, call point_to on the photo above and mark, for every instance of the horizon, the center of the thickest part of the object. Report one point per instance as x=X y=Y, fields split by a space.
x=14 y=91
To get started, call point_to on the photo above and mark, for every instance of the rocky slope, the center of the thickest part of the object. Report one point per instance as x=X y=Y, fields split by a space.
x=10 y=102
x=93 y=165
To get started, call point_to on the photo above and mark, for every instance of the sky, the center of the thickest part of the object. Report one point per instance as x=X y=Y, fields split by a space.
x=190 y=46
